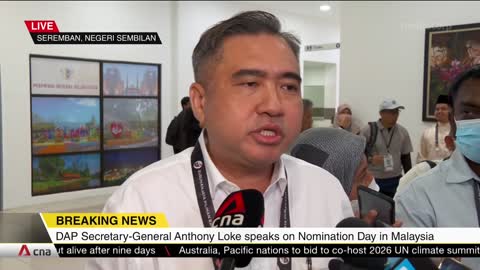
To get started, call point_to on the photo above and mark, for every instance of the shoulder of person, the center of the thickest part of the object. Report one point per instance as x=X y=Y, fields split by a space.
x=365 y=130
x=402 y=128
x=427 y=179
x=318 y=187
x=153 y=181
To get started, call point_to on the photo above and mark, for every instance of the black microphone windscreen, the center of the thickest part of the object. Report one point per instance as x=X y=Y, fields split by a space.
x=335 y=264
x=364 y=262
x=243 y=208
x=422 y=263
x=352 y=222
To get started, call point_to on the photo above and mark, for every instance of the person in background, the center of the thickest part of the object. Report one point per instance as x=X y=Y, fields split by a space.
x=388 y=147
x=339 y=152
x=307 y=119
x=343 y=119
x=174 y=130
x=448 y=195
x=190 y=130
x=432 y=143
x=427 y=165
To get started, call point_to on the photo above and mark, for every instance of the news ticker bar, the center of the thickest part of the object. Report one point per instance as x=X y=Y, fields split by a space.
x=71 y=38
x=235 y=250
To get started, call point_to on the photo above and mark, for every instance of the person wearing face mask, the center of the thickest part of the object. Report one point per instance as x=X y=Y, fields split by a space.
x=339 y=152
x=427 y=165
x=343 y=119
x=448 y=195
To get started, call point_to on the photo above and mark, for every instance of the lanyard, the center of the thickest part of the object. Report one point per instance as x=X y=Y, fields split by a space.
x=207 y=211
x=477 y=198
x=390 y=141
x=436 y=135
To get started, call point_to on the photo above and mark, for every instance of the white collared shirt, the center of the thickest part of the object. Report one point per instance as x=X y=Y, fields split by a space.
x=316 y=199
x=429 y=150
x=441 y=197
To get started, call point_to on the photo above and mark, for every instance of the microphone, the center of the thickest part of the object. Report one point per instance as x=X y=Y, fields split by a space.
x=353 y=263
x=244 y=208
x=362 y=262
x=337 y=264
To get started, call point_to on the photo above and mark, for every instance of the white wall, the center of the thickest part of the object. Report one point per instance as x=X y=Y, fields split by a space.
x=325 y=75
x=331 y=86
x=383 y=54
x=195 y=17
x=314 y=76
x=16 y=46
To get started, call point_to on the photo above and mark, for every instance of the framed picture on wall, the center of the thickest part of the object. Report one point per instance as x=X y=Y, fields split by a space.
x=65 y=125
x=127 y=79
x=64 y=76
x=61 y=173
x=449 y=51
x=130 y=123
x=93 y=122
x=119 y=165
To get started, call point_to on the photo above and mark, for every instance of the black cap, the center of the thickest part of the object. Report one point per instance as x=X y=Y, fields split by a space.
x=444 y=99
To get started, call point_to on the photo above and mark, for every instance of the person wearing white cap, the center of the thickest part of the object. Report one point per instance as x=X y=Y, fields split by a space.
x=388 y=147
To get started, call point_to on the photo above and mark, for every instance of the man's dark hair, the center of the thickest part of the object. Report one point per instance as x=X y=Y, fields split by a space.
x=249 y=22
x=185 y=101
x=307 y=103
x=472 y=73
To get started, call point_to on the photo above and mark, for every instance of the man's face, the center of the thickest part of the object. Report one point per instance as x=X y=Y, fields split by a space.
x=441 y=112
x=307 y=120
x=186 y=106
x=389 y=117
x=467 y=101
x=252 y=106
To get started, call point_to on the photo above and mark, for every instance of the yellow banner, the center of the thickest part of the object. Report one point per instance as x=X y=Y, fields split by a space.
x=104 y=220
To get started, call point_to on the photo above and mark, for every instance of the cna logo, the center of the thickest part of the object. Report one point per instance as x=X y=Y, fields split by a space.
x=24 y=249
x=231 y=213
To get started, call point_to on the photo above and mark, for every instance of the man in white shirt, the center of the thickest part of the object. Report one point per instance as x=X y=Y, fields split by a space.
x=247 y=98
x=432 y=143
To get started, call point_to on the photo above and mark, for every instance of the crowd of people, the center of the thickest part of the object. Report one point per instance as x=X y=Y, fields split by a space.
x=255 y=132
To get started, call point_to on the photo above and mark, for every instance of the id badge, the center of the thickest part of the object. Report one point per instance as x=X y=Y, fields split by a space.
x=388 y=162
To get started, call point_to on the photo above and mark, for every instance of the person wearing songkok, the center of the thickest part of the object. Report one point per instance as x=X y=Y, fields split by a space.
x=432 y=143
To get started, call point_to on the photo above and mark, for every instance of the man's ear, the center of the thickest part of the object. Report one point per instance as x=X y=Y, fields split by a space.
x=197 y=101
x=450 y=143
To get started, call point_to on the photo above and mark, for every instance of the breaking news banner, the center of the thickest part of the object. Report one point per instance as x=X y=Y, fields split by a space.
x=46 y=32
x=148 y=235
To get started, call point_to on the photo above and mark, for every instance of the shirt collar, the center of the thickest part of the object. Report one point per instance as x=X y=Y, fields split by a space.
x=217 y=181
x=380 y=125
x=459 y=171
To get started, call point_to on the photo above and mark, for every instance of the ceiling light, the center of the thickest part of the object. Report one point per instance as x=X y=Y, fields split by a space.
x=325 y=7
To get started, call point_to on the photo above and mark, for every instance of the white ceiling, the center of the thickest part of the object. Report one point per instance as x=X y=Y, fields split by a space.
x=305 y=8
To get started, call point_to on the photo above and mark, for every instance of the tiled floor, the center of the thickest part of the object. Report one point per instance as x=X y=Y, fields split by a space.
x=45 y=263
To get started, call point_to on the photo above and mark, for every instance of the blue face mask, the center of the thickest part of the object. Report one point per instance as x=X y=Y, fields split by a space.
x=468 y=139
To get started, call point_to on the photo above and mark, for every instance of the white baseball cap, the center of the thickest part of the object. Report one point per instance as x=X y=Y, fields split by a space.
x=390 y=104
